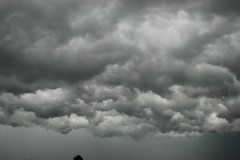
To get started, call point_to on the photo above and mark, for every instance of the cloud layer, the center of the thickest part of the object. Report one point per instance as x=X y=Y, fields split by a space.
x=121 y=68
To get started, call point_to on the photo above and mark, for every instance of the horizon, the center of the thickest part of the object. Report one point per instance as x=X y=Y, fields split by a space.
x=37 y=143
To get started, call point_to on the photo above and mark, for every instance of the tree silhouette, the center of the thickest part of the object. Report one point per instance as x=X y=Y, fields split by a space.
x=78 y=157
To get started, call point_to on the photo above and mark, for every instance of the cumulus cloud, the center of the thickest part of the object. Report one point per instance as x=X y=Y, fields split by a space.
x=121 y=68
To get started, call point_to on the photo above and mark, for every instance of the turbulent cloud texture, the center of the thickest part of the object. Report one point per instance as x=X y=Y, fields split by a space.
x=121 y=67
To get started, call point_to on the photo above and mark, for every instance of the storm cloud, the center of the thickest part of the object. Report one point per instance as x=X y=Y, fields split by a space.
x=121 y=68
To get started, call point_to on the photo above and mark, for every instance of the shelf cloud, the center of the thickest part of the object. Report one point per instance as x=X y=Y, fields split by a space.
x=121 y=67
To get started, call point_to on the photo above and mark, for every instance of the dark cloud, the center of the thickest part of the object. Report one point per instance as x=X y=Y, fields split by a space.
x=223 y=7
x=207 y=7
x=120 y=68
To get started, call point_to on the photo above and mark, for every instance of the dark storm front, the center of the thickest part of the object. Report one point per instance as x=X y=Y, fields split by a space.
x=119 y=79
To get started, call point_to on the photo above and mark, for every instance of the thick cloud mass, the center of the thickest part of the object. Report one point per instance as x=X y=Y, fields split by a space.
x=121 y=67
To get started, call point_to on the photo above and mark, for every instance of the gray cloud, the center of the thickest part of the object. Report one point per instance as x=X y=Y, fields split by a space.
x=222 y=7
x=120 y=68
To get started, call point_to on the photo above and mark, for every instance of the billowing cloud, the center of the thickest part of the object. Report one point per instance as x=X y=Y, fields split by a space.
x=121 y=68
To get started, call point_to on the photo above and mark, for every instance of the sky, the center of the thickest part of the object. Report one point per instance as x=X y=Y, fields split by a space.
x=119 y=79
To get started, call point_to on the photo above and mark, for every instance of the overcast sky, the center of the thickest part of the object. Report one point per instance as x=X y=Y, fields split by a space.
x=127 y=72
